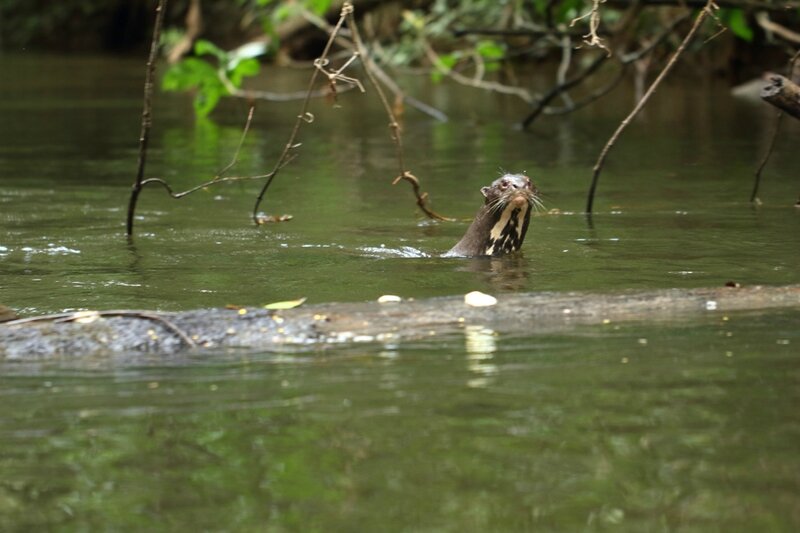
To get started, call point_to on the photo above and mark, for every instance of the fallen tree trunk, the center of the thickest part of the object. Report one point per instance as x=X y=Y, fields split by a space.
x=784 y=94
x=84 y=334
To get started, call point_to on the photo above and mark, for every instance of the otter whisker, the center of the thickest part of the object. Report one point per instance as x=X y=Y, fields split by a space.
x=495 y=205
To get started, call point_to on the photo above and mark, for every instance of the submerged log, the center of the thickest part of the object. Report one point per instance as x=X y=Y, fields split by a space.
x=85 y=334
x=784 y=94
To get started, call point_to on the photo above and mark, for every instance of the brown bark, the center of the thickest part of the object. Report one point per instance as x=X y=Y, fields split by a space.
x=783 y=94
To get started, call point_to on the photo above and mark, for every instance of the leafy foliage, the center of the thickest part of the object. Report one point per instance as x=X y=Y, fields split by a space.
x=432 y=36
x=736 y=20
x=209 y=83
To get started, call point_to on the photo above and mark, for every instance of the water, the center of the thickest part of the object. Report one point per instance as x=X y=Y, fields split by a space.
x=641 y=426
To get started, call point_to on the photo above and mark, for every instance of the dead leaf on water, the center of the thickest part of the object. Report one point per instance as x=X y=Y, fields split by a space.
x=85 y=317
x=288 y=304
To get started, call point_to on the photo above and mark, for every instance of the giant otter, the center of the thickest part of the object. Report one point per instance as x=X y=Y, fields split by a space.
x=501 y=224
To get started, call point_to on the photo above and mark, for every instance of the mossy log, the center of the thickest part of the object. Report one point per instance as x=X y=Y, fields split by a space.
x=85 y=334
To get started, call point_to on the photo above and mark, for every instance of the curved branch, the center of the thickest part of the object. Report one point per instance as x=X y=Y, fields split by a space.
x=92 y=315
x=393 y=124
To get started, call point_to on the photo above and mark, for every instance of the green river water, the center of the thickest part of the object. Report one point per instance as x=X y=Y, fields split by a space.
x=668 y=426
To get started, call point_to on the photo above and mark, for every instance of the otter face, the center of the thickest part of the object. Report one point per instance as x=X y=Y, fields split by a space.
x=509 y=200
x=501 y=224
x=510 y=187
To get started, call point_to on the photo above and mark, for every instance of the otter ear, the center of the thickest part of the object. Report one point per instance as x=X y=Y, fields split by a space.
x=485 y=191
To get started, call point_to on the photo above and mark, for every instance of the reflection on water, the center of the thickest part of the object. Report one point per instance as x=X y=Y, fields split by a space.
x=509 y=273
x=480 y=347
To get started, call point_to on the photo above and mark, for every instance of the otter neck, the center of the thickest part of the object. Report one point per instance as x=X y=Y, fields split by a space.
x=495 y=232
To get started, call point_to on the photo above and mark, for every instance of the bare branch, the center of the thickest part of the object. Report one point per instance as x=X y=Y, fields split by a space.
x=144 y=136
x=377 y=70
x=93 y=315
x=563 y=87
x=706 y=11
x=773 y=27
x=472 y=82
x=291 y=144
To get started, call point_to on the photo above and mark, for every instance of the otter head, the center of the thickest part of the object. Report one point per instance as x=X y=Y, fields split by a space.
x=508 y=201
x=501 y=224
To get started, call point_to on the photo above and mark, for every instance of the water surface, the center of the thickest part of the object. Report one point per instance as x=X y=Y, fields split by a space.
x=664 y=426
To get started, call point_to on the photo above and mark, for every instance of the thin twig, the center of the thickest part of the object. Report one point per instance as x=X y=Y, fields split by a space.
x=235 y=158
x=706 y=11
x=214 y=181
x=456 y=76
x=369 y=64
x=302 y=117
x=377 y=70
x=563 y=87
x=757 y=183
x=772 y=27
x=624 y=60
x=58 y=318
x=220 y=177
x=591 y=98
x=144 y=136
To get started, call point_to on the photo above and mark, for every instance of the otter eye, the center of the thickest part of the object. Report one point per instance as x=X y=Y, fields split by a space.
x=504 y=184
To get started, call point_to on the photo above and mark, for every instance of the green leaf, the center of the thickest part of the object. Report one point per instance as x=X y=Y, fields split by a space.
x=242 y=69
x=446 y=64
x=203 y=47
x=492 y=53
x=737 y=21
x=283 y=12
x=320 y=7
x=188 y=74
x=195 y=74
x=490 y=50
x=449 y=60
x=206 y=98
x=568 y=9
